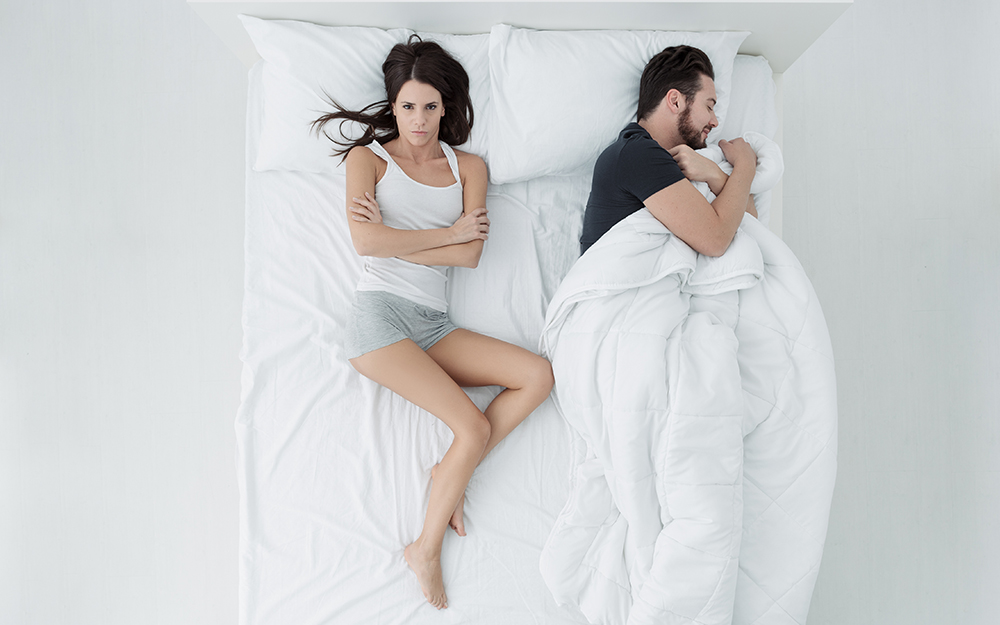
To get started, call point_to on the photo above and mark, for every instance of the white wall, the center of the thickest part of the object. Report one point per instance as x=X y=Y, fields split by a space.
x=892 y=128
x=121 y=229
x=121 y=273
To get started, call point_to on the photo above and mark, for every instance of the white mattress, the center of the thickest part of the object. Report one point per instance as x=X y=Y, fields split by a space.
x=334 y=470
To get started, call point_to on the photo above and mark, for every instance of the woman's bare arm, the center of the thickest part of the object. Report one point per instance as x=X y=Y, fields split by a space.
x=472 y=169
x=373 y=238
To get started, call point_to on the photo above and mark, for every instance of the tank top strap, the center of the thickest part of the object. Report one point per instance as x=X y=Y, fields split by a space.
x=382 y=153
x=449 y=153
x=452 y=160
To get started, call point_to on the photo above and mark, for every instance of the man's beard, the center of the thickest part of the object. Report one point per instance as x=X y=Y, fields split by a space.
x=689 y=134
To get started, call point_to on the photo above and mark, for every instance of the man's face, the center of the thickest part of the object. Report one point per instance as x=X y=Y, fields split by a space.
x=698 y=117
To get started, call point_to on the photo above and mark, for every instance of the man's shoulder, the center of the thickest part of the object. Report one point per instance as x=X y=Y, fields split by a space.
x=632 y=134
x=637 y=139
x=628 y=139
x=633 y=148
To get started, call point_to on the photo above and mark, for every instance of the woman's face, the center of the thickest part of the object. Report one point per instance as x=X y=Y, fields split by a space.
x=418 y=109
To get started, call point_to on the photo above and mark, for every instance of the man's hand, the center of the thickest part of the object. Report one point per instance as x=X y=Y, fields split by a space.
x=707 y=227
x=697 y=168
x=739 y=153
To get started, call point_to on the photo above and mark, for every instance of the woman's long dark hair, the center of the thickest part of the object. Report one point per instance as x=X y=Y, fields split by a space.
x=423 y=61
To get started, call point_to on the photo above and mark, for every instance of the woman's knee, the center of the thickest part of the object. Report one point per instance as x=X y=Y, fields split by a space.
x=475 y=431
x=540 y=377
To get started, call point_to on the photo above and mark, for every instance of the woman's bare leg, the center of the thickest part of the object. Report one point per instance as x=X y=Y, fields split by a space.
x=408 y=371
x=457 y=520
x=475 y=360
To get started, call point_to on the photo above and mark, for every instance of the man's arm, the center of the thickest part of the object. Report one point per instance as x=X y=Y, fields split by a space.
x=708 y=228
x=697 y=168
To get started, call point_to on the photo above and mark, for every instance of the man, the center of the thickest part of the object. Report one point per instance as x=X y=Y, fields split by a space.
x=653 y=161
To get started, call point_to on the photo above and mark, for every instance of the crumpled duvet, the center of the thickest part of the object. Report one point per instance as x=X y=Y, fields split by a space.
x=702 y=400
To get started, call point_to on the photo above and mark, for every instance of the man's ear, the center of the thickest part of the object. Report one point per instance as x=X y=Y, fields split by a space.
x=674 y=101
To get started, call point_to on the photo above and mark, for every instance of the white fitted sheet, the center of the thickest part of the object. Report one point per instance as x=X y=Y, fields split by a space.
x=334 y=470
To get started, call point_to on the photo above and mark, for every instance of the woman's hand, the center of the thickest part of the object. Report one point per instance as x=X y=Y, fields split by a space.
x=471 y=226
x=366 y=210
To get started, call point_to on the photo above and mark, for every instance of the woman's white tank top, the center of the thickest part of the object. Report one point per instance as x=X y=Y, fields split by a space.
x=409 y=205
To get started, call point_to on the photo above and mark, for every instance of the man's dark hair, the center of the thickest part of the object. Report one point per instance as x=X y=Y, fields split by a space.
x=677 y=67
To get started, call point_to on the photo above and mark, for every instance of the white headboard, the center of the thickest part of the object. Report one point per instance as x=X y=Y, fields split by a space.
x=781 y=29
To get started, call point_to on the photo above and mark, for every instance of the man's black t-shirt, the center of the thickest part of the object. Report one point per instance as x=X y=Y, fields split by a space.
x=629 y=171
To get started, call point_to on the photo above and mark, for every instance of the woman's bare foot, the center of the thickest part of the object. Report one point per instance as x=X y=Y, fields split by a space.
x=428 y=572
x=457 y=520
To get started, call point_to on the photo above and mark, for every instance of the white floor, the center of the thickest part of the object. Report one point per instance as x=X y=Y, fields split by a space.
x=121 y=233
x=892 y=201
x=121 y=271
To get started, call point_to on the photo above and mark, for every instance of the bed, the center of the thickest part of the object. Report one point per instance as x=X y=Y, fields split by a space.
x=333 y=470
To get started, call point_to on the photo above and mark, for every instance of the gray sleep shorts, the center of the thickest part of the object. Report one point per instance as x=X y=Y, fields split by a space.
x=379 y=319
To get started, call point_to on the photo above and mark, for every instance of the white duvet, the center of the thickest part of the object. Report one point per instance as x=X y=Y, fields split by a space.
x=702 y=397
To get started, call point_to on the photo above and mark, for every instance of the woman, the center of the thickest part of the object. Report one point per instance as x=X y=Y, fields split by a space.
x=415 y=206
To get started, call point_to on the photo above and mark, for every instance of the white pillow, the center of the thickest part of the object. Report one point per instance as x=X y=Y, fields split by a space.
x=305 y=63
x=560 y=97
x=751 y=105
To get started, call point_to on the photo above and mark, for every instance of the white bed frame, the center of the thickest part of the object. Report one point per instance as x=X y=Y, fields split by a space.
x=781 y=30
